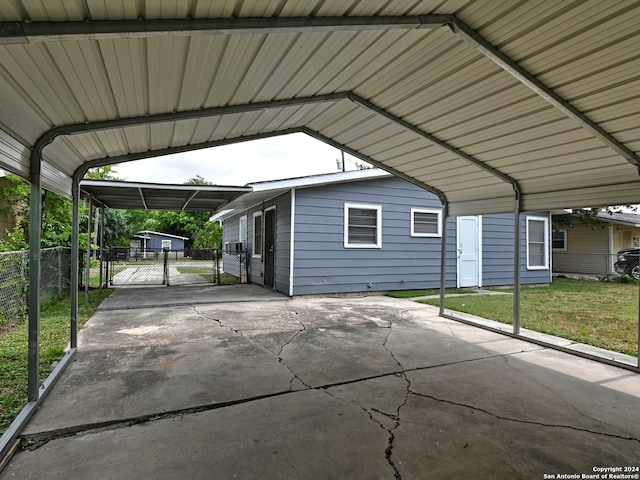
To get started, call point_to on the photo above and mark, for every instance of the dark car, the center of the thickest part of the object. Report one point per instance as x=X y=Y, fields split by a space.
x=628 y=262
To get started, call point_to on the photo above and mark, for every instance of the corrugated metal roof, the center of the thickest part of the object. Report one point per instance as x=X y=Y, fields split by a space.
x=153 y=196
x=436 y=105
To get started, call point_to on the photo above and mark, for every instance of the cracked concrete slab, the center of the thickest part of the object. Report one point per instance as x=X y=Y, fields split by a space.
x=350 y=387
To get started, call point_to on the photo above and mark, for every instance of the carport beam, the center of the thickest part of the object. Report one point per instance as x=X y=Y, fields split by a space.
x=477 y=41
x=75 y=255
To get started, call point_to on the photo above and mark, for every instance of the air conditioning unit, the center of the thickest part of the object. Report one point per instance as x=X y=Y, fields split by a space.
x=233 y=247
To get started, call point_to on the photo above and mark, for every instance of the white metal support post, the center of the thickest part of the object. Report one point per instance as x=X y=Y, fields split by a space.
x=516 y=265
x=443 y=258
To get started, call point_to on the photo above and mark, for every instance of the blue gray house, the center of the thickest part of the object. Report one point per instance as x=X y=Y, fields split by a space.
x=148 y=241
x=367 y=230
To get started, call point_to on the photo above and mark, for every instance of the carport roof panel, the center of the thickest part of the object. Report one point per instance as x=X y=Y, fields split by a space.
x=359 y=76
x=150 y=196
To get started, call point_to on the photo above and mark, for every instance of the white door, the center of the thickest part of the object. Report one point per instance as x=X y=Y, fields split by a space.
x=468 y=252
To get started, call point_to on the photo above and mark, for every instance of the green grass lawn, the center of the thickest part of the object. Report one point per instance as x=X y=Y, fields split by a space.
x=54 y=337
x=424 y=293
x=207 y=274
x=601 y=314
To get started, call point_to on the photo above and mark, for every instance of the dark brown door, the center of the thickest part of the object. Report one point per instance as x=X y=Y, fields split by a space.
x=269 y=248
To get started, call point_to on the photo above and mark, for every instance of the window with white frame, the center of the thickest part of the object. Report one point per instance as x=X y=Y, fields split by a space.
x=362 y=226
x=242 y=234
x=426 y=222
x=559 y=240
x=537 y=243
x=257 y=234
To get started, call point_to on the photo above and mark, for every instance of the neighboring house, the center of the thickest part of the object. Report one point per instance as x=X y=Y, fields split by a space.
x=7 y=217
x=147 y=242
x=366 y=231
x=591 y=249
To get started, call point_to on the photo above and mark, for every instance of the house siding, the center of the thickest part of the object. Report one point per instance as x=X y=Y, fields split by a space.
x=283 y=242
x=324 y=265
x=587 y=251
x=231 y=233
x=625 y=237
x=497 y=251
x=155 y=242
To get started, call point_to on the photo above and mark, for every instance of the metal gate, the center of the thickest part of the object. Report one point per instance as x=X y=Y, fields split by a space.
x=132 y=266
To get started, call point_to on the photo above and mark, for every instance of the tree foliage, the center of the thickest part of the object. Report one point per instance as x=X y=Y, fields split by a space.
x=56 y=213
x=117 y=228
x=101 y=173
x=210 y=236
x=119 y=225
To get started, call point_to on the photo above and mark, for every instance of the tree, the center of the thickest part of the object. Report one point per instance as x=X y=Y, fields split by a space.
x=101 y=173
x=209 y=237
x=56 y=212
x=117 y=228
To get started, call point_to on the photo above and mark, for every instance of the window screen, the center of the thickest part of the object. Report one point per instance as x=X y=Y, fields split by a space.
x=362 y=226
x=425 y=223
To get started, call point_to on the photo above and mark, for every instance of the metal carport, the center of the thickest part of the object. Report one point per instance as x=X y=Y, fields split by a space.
x=494 y=105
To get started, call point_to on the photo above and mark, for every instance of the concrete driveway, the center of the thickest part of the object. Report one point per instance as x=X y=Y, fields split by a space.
x=242 y=383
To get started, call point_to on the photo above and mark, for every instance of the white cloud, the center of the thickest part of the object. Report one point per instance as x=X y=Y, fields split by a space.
x=273 y=158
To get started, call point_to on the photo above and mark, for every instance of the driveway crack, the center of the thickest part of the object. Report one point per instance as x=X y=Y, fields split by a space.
x=396 y=417
x=526 y=422
x=278 y=355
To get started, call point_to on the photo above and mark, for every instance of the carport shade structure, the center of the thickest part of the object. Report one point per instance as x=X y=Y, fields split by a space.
x=495 y=106
x=154 y=196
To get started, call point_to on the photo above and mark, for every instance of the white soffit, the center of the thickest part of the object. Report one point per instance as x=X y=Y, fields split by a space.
x=441 y=106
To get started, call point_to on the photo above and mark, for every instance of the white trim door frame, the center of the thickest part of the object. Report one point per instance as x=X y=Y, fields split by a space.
x=469 y=251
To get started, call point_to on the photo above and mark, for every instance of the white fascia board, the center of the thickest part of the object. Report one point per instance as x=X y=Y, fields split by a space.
x=324 y=179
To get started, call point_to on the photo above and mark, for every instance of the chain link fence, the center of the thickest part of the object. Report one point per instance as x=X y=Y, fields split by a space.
x=125 y=266
x=236 y=264
x=600 y=265
x=55 y=280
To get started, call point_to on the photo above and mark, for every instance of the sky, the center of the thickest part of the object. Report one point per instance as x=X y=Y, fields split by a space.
x=286 y=156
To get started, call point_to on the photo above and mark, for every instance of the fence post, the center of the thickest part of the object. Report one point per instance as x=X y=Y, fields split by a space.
x=217 y=265
x=106 y=266
x=59 y=249
x=101 y=247
x=165 y=270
